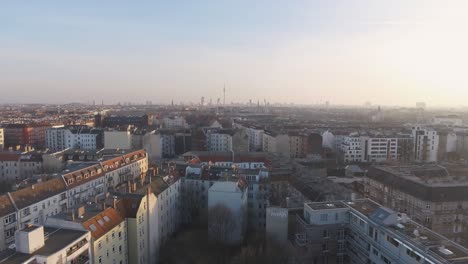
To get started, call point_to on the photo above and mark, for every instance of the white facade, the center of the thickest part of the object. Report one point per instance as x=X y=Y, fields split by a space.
x=58 y=139
x=117 y=140
x=231 y=196
x=75 y=249
x=255 y=139
x=451 y=142
x=111 y=247
x=220 y=142
x=328 y=140
x=352 y=149
x=426 y=144
x=159 y=145
x=169 y=210
x=379 y=149
x=175 y=122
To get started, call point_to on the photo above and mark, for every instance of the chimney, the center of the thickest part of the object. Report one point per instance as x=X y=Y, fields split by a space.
x=134 y=187
x=73 y=215
x=115 y=202
x=103 y=205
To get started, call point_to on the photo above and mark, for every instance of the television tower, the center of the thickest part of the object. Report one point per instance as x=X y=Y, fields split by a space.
x=224 y=94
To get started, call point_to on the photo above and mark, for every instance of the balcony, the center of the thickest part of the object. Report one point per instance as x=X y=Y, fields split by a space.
x=80 y=246
x=81 y=259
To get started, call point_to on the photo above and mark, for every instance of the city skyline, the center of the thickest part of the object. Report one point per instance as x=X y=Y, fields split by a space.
x=347 y=53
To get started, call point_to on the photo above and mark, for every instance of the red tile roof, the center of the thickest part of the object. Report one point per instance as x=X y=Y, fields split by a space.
x=104 y=222
x=9 y=156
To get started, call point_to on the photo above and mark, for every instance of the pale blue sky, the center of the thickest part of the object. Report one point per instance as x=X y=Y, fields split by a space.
x=310 y=51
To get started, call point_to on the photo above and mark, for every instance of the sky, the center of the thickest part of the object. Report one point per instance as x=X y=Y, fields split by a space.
x=299 y=51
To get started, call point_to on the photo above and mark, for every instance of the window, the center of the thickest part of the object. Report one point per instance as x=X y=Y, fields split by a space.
x=385 y=260
x=325 y=247
x=413 y=254
x=324 y=217
x=326 y=234
x=10 y=219
x=393 y=241
x=375 y=252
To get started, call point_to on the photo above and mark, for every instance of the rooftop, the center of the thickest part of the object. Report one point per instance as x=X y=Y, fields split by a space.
x=225 y=186
x=55 y=240
x=419 y=236
x=103 y=222
x=327 y=206
x=427 y=182
x=37 y=192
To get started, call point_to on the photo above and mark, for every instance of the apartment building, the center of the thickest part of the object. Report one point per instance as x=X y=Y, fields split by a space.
x=30 y=164
x=22 y=135
x=108 y=237
x=174 y=122
x=219 y=140
x=32 y=205
x=351 y=148
x=38 y=244
x=159 y=144
x=121 y=168
x=426 y=144
x=79 y=184
x=363 y=231
x=432 y=195
x=107 y=226
x=9 y=166
x=15 y=166
x=153 y=211
x=77 y=137
x=379 y=149
x=199 y=179
x=8 y=222
x=233 y=196
x=255 y=136
x=117 y=139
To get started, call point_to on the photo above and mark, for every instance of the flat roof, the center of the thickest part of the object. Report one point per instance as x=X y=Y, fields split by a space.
x=327 y=205
x=56 y=240
x=424 y=239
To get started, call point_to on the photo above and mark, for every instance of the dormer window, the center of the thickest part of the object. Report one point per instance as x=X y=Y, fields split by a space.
x=70 y=181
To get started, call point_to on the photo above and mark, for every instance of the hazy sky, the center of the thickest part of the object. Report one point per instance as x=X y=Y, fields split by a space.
x=310 y=51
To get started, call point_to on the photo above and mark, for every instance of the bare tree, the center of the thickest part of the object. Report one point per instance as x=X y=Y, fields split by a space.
x=221 y=223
